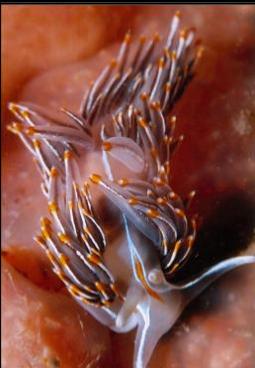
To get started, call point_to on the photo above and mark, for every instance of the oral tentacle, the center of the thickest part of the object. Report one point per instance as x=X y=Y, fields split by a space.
x=193 y=288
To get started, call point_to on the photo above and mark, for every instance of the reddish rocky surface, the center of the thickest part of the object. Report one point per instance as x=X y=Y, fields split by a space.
x=36 y=38
x=46 y=329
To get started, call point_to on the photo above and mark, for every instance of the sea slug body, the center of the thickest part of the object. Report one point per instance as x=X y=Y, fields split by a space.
x=125 y=117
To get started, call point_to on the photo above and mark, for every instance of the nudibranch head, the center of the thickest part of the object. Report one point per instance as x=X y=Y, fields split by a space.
x=125 y=119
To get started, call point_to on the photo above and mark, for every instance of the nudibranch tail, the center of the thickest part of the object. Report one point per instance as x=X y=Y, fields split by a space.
x=125 y=118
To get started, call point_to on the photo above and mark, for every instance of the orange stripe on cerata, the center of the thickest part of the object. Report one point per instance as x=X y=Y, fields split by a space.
x=106 y=146
x=96 y=179
x=140 y=275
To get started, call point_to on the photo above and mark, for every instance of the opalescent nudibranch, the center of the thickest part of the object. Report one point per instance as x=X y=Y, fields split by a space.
x=126 y=118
